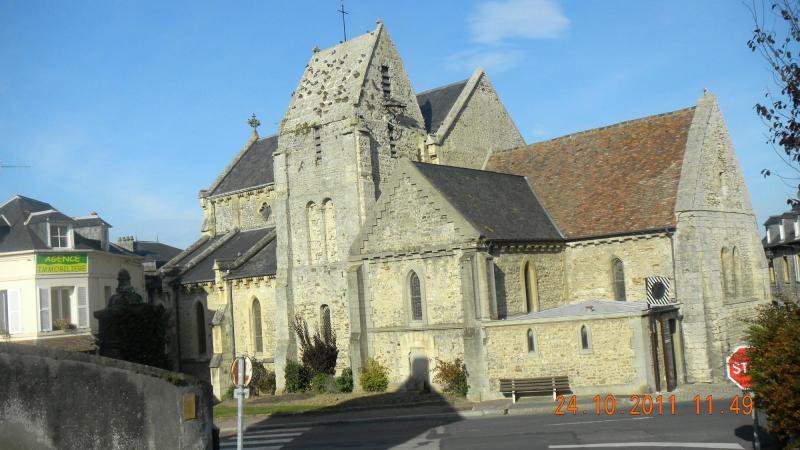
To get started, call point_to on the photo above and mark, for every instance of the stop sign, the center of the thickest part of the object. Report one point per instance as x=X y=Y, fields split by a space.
x=738 y=367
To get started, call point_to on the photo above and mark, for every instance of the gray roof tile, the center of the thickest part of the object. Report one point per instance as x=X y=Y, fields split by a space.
x=234 y=247
x=436 y=103
x=502 y=207
x=254 y=168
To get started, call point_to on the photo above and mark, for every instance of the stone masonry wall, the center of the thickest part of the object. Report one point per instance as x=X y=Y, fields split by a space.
x=388 y=300
x=588 y=266
x=714 y=212
x=244 y=210
x=483 y=125
x=610 y=362
x=510 y=281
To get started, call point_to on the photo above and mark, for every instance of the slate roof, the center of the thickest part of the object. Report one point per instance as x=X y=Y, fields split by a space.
x=231 y=249
x=585 y=308
x=436 y=103
x=157 y=252
x=612 y=180
x=500 y=206
x=253 y=167
x=264 y=262
x=17 y=236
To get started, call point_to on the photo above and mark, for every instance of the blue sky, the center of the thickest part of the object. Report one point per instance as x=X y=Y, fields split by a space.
x=130 y=108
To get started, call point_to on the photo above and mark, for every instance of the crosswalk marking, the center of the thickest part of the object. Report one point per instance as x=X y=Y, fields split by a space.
x=264 y=438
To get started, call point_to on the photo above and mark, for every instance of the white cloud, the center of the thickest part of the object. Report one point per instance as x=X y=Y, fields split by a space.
x=496 y=24
x=492 y=60
x=496 y=21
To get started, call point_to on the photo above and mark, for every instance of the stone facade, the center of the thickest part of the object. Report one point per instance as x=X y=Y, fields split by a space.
x=414 y=268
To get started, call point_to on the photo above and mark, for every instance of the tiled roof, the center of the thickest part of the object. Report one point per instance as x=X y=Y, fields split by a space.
x=253 y=167
x=498 y=205
x=436 y=103
x=18 y=236
x=617 y=179
x=264 y=262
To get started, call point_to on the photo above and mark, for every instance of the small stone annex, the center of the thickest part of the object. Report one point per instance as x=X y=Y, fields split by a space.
x=423 y=227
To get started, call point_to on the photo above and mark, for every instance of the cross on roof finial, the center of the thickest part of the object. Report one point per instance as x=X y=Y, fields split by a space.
x=253 y=122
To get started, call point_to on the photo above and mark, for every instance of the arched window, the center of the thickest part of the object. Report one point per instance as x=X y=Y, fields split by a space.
x=785 y=269
x=531 y=341
x=726 y=266
x=314 y=245
x=618 y=274
x=258 y=336
x=325 y=322
x=329 y=217
x=531 y=288
x=586 y=342
x=200 y=319
x=736 y=273
x=415 y=291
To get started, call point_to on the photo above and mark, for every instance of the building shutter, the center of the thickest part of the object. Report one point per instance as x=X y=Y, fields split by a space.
x=83 y=308
x=14 y=319
x=45 y=319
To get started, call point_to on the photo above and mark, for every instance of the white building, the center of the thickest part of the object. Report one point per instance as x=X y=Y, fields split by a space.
x=55 y=272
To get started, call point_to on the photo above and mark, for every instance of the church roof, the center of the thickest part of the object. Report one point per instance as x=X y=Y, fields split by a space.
x=252 y=168
x=436 y=103
x=617 y=179
x=198 y=263
x=500 y=206
x=264 y=262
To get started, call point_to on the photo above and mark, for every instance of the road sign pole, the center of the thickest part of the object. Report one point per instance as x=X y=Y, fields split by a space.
x=240 y=403
x=756 y=441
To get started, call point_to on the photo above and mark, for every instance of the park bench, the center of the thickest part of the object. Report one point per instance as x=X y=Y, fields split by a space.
x=540 y=385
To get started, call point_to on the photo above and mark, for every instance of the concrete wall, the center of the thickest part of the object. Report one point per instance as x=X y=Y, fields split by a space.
x=63 y=400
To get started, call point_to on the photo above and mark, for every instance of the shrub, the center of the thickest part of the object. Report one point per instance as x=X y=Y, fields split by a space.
x=228 y=392
x=322 y=383
x=63 y=325
x=344 y=382
x=319 y=352
x=774 y=339
x=297 y=377
x=263 y=381
x=374 y=377
x=452 y=376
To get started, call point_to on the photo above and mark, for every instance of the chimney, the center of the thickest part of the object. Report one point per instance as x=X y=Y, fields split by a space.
x=127 y=242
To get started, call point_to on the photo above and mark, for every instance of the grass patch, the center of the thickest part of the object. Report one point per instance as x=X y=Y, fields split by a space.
x=222 y=410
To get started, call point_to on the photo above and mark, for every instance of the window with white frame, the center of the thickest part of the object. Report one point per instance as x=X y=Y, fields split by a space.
x=59 y=235
x=63 y=307
x=61 y=304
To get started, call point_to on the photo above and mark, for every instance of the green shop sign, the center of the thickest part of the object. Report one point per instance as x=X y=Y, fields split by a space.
x=55 y=263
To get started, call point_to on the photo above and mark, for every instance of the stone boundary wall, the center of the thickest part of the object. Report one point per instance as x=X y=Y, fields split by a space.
x=51 y=399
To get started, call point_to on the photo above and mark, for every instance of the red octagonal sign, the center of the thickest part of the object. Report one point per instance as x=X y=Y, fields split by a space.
x=738 y=367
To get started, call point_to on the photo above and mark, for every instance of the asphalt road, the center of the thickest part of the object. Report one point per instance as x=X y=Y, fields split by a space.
x=686 y=429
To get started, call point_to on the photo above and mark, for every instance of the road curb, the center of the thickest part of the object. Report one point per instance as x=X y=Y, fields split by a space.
x=458 y=414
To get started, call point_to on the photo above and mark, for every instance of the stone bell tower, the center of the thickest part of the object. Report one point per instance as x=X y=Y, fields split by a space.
x=352 y=117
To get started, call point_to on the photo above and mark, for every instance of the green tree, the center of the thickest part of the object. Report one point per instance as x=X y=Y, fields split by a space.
x=774 y=338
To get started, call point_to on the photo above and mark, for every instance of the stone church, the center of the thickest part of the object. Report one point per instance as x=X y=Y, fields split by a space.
x=421 y=226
